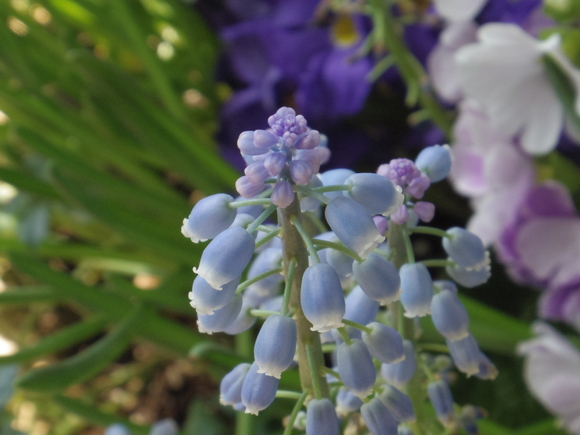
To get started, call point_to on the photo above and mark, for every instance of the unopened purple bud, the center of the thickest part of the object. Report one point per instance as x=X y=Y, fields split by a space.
x=226 y=257
x=167 y=426
x=384 y=343
x=282 y=195
x=465 y=354
x=425 y=210
x=246 y=144
x=375 y=193
x=308 y=140
x=398 y=374
x=378 y=278
x=418 y=186
x=382 y=224
x=301 y=172
x=248 y=189
x=398 y=403
x=274 y=163
x=321 y=418
x=220 y=319
x=209 y=217
x=353 y=225
x=244 y=320
x=206 y=299
x=355 y=365
x=449 y=315
x=275 y=345
x=265 y=139
x=335 y=177
x=465 y=248
x=322 y=298
x=400 y=216
x=258 y=390
x=442 y=400
x=399 y=171
x=378 y=418
x=256 y=173
x=417 y=288
x=435 y=161
x=346 y=402
x=468 y=277
x=314 y=158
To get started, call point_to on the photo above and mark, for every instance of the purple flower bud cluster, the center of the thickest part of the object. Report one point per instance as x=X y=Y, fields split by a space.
x=350 y=290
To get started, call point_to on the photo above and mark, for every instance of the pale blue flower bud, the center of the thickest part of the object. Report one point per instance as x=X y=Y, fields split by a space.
x=435 y=161
x=465 y=248
x=117 y=429
x=442 y=400
x=226 y=257
x=258 y=390
x=346 y=402
x=301 y=172
x=465 y=354
x=417 y=288
x=231 y=385
x=400 y=373
x=206 y=299
x=355 y=366
x=384 y=343
x=265 y=139
x=220 y=319
x=209 y=217
x=335 y=177
x=322 y=298
x=167 y=426
x=246 y=144
x=449 y=315
x=244 y=320
x=378 y=418
x=321 y=418
x=275 y=345
x=353 y=225
x=282 y=195
x=398 y=403
x=378 y=278
x=468 y=277
x=377 y=194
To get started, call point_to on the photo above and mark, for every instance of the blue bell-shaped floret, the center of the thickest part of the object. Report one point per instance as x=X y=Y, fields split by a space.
x=244 y=320
x=360 y=309
x=435 y=161
x=442 y=400
x=378 y=418
x=265 y=261
x=398 y=374
x=356 y=368
x=322 y=298
x=465 y=248
x=167 y=426
x=258 y=390
x=275 y=345
x=117 y=429
x=417 y=288
x=226 y=257
x=384 y=343
x=378 y=278
x=399 y=404
x=341 y=262
x=346 y=402
x=353 y=225
x=449 y=315
x=377 y=194
x=222 y=318
x=206 y=299
x=335 y=177
x=466 y=354
x=209 y=217
x=468 y=277
x=231 y=385
x=321 y=418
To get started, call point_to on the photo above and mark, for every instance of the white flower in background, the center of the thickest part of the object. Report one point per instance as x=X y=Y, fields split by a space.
x=552 y=372
x=458 y=10
x=505 y=73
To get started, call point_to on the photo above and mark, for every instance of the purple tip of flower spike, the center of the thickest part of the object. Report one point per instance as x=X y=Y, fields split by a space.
x=282 y=195
x=275 y=345
x=265 y=139
x=209 y=217
x=258 y=390
x=356 y=368
x=378 y=418
x=321 y=418
x=285 y=122
x=449 y=315
x=399 y=171
x=322 y=298
x=435 y=161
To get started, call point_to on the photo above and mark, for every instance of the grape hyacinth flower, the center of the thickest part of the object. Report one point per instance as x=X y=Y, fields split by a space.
x=321 y=418
x=209 y=217
x=258 y=390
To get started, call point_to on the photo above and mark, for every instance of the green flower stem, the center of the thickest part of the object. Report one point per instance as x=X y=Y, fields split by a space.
x=267 y=237
x=288 y=287
x=295 y=411
x=338 y=247
x=285 y=394
x=306 y=191
x=294 y=249
x=357 y=326
x=248 y=202
x=433 y=347
x=329 y=371
x=408 y=246
x=333 y=188
x=262 y=313
x=314 y=369
x=244 y=285
x=344 y=334
x=254 y=226
x=430 y=230
x=438 y=263
x=306 y=238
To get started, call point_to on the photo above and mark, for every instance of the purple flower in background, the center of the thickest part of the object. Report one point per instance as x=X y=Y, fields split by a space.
x=552 y=372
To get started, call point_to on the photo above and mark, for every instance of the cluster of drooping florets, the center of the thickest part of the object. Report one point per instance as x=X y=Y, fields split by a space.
x=350 y=290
